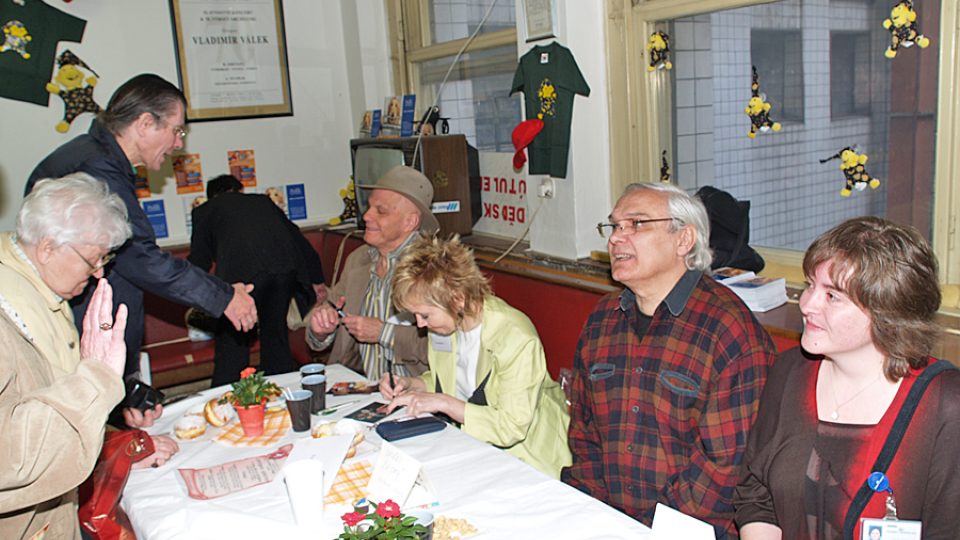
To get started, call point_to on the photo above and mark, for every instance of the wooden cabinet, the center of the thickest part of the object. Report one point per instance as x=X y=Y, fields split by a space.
x=451 y=165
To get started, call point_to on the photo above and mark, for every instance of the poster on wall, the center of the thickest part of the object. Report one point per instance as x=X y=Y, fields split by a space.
x=296 y=202
x=189 y=174
x=189 y=203
x=278 y=195
x=503 y=193
x=157 y=216
x=243 y=167
x=232 y=58
x=142 y=184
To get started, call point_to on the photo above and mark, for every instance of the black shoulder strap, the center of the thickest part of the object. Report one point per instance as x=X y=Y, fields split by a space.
x=889 y=450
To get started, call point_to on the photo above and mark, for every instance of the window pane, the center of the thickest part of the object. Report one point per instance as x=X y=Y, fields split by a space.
x=457 y=19
x=475 y=96
x=831 y=88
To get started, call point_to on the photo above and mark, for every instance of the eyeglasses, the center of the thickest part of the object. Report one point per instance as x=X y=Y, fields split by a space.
x=105 y=260
x=626 y=226
x=180 y=131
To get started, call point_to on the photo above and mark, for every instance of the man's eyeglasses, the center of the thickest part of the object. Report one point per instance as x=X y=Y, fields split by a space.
x=94 y=268
x=626 y=226
x=180 y=131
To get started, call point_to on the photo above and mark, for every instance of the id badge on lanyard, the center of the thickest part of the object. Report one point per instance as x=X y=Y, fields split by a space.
x=889 y=527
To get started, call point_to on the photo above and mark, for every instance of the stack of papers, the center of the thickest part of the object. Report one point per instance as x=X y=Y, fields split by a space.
x=758 y=293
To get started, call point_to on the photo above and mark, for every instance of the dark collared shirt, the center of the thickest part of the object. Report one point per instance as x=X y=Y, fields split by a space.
x=664 y=416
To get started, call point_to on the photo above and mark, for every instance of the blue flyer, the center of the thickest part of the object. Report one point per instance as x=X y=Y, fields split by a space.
x=406 y=116
x=296 y=202
x=375 y=125
x=157 y=217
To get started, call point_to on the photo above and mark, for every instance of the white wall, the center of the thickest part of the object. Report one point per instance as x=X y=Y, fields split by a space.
x=339 y=66
x=565 y=225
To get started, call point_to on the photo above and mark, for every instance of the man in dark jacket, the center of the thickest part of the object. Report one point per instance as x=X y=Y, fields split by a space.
x=251 y=240
x=142 y=125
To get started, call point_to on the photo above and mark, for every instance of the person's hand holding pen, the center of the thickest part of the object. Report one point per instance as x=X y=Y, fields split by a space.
x=392 y=386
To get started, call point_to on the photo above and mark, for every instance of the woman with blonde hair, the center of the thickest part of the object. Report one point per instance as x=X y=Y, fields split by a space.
x=488 y=372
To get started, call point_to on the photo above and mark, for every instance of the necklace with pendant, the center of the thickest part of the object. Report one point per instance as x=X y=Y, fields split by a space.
x=835 y=415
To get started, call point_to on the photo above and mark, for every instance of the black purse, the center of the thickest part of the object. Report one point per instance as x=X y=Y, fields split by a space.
x=395 y=430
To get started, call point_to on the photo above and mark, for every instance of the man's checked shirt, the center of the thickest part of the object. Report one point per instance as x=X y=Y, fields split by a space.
x=662 y=405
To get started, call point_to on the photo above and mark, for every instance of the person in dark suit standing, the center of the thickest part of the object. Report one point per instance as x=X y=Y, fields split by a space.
x=248 y=235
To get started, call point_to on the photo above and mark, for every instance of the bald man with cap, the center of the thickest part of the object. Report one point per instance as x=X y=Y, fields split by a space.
x=370 y=337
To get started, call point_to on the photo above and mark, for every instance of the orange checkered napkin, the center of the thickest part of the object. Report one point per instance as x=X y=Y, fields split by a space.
x=276 y=424
x=350 y=484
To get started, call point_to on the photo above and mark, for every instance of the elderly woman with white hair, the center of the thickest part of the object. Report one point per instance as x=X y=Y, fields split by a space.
x=56 y=390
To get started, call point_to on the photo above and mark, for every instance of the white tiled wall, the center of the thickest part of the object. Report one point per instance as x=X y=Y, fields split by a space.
x=794 y=197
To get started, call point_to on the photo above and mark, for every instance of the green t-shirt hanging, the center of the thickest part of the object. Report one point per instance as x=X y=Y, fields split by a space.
x=31 y=33
x=549 y=77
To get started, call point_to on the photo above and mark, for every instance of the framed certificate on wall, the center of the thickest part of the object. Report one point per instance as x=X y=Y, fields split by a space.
x=232 y=58
x=541 y=16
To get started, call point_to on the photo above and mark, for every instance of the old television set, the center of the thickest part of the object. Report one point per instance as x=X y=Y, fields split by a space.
x=448 y=161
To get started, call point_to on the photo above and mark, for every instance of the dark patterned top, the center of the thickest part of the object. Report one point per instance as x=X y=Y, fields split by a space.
x=802 y=473
x=662 y=413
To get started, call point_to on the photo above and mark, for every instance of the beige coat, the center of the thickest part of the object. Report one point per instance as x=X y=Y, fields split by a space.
x=409 y=344
x=52 y=418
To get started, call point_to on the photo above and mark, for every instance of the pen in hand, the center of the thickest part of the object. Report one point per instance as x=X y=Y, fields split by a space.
x=390 y=374
x=340 y=312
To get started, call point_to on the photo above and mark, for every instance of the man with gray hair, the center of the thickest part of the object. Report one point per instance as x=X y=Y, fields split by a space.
x=366 y=333
x=142 y=125
x=668 y=372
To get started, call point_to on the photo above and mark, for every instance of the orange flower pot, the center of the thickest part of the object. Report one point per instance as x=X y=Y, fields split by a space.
x=251 y=419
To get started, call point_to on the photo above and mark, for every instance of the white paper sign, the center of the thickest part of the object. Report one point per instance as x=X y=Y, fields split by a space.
x=503 y=194
x=399 y=477
x=670 y=524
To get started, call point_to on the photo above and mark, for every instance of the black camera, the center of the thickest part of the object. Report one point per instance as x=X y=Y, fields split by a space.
x=141 y=395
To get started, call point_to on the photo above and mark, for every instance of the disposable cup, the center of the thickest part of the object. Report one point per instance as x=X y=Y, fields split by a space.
x=318 y=385
x=299 y=404
x=312 y=369
x=424 y=518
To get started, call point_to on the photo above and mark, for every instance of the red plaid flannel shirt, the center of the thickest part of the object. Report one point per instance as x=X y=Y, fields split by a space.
x=664 y=417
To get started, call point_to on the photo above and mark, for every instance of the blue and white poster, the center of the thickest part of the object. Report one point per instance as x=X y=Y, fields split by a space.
x=406 y=117
x=296 y=202
x=157 y=216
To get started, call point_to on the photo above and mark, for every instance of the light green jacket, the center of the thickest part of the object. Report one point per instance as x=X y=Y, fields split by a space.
x=525 y=412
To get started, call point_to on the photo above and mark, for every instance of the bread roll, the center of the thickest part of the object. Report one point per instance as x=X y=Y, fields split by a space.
x=190 y=427
x=216 y=414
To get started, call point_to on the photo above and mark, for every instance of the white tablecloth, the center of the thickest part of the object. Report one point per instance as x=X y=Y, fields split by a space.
x=500 y=495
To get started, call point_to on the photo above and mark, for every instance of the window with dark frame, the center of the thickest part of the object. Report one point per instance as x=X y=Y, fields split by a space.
x=850 y=88
x=778 y=56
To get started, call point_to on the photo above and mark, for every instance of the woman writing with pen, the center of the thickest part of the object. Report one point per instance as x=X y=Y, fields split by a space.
x=487 y=370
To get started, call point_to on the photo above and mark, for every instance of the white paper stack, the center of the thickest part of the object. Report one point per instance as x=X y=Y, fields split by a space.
x=761 y=293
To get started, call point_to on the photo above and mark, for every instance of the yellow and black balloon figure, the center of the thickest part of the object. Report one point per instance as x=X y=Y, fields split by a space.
x=854 y=172
x=664 y=168
x=75 y=91
x=349 y=197
x=659 y=47
x=903 y=28
x=759 y=110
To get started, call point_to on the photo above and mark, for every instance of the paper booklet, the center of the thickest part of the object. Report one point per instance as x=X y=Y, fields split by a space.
x=401 y=478
x=728 y=275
